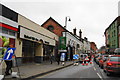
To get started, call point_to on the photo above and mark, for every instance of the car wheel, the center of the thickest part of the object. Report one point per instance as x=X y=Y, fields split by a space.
x=101 y=66
x=104 y=69
x=108 y=73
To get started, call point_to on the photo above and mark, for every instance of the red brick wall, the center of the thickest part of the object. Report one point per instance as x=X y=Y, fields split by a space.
x=57 y=28
x=93 y=46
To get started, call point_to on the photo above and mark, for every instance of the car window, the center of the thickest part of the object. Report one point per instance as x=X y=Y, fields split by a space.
x=115 y=59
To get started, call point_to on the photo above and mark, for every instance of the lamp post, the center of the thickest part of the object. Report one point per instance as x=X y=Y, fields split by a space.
x=67 y=18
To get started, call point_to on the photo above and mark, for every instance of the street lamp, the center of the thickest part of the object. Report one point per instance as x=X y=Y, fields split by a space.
x=67 y=18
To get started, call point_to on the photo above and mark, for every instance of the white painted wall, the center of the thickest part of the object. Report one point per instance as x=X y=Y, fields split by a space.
x=73 y=40
x=86 y=45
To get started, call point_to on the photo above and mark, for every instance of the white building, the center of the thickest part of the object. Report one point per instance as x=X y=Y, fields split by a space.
x=74 y=45
x=86 y=45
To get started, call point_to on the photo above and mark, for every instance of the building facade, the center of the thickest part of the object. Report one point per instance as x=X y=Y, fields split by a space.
x=34 y=43
x=93 y=47
x=111 y=34
x=8 y=31
x=73 y=43
x=54 y=26
x=86 y=45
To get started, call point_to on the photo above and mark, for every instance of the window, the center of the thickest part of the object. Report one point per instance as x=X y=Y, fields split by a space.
x=5 y=31
x=11 y=33
x=51 y=28
x=114 y=33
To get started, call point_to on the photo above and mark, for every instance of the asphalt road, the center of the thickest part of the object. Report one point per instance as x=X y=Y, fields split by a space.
x=92 y=72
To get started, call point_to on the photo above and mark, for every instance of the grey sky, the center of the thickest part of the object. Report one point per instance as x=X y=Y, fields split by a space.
x=91 y=16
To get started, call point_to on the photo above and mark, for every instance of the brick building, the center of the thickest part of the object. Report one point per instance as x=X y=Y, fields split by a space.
x=54 y=26
x=93 y=47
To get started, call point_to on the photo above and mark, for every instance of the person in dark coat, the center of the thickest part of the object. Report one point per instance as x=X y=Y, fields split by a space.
x=8 y=64
x=58 y=58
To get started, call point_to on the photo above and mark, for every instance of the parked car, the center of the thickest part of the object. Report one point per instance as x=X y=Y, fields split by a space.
x=117 y=51
x=102 y=60
x=112 y=65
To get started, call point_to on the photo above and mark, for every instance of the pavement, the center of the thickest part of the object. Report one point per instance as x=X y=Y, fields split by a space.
x=33 y=70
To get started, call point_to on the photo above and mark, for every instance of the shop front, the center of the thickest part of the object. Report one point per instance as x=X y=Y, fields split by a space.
x=36 y=47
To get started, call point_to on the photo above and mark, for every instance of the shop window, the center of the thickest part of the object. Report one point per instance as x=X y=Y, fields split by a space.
x=11 y=33
x=5 y=31
x=12 y=41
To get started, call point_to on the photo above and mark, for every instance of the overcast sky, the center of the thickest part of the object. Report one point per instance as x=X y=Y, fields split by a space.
x=91 y=16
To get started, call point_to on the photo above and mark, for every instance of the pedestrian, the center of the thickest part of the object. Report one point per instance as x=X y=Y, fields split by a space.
x=8 y=64
x=51 y=58
x=58 y=58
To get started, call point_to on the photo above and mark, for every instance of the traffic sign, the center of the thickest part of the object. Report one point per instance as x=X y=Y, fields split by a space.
x=76 y=56
x=9 y=53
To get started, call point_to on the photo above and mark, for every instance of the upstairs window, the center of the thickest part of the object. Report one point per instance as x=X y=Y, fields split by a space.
x=50 y=28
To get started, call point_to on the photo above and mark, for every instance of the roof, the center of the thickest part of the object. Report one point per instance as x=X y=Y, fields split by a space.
x=55 y=22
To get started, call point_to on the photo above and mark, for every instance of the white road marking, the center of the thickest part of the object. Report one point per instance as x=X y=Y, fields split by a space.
x=94 y=68
x=99 y=76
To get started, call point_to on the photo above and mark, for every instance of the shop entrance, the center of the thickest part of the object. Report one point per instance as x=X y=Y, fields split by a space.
x=47 y=51
x=28 y=51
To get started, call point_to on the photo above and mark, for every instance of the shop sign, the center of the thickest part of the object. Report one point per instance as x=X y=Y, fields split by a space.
x=30 y=37
x=62 y=43
x=46 y=42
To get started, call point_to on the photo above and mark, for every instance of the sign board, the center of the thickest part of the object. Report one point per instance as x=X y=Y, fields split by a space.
x=9 y=53
x=62 y=43
x=76 y=56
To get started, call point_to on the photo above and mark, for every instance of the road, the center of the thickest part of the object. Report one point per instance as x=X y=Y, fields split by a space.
x=92 y=71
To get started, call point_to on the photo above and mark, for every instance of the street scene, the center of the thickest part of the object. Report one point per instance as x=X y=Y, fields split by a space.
x=59 y=40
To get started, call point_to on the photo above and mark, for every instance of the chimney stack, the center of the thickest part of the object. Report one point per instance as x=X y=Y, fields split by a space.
x=80 y=34
x=74 y=31
x=86 y=39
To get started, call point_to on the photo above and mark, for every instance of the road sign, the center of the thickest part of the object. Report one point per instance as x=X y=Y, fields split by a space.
x=76 y=56
x=9 y=53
